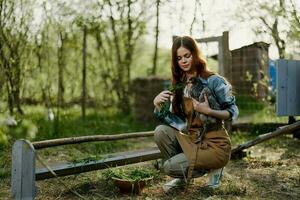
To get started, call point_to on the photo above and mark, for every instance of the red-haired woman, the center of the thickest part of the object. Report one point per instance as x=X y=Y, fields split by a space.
x=183 y=153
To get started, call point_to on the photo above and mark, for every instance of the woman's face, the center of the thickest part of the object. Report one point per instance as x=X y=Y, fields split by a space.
x=184 y=59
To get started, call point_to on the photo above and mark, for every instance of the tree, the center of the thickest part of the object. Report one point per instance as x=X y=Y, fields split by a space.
x=277 y=19
x=156 y=39
x=15 y=18
x=83 y=95
x=61 y=58
x=197 y=6
x=294 y=33
x=121 y=31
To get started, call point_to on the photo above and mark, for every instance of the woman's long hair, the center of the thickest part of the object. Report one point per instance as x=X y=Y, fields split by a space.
x=198 y=63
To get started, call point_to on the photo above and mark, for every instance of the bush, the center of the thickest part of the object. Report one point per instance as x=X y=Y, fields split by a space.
x=3 y=136
x=249 y=104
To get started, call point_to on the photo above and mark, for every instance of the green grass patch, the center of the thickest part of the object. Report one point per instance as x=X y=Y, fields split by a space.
x=249 y=105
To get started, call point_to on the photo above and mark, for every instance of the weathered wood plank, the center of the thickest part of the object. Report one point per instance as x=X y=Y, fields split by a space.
x=208 y=39
x=293 y=89
x=227 y=58
x=75 y=168
x=281 y=87
x=288 y=87
x=23 y=171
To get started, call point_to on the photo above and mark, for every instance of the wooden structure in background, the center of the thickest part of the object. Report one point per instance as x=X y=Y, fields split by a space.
x=250 y=69
x=144 y=89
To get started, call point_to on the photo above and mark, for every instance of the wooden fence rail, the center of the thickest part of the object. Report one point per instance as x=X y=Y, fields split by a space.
x=90 y=138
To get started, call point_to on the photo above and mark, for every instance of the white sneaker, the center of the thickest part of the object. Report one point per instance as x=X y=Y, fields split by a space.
x=177 y=182
x=214 y=179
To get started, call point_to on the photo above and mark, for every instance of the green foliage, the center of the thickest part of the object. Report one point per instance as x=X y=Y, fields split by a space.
x=107 y=121
x=143 y=62
x=249 y=105
x=71 y=124
x=3 y=136
x=24 y=129
x=165 y=106
x=5 y=156
x=278 y=20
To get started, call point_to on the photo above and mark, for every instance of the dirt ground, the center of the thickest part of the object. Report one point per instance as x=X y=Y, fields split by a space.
x=270 y=170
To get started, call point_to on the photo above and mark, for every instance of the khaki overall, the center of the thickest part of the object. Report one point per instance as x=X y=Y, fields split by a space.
x=212 y=152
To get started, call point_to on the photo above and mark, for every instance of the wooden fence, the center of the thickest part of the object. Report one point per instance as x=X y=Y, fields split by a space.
x=24 y=156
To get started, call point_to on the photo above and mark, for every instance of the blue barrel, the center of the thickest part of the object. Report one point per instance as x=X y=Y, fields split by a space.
x=272 y=74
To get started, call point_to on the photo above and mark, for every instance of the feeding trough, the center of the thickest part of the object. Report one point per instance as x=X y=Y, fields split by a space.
x=131 y=180
x=131 y=186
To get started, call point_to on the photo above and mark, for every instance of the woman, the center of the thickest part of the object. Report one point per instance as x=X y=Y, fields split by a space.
x=185 y=155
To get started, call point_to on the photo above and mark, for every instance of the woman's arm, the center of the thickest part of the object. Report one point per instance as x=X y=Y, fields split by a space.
x=223 y=94
x=220 y=114
x=205 y=109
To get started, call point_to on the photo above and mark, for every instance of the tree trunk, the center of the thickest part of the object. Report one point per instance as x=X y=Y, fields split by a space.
x=121 y=84
x=10 y=100
x=61 y=65
x=18 y=100
x=280 y=43
x=83 y=96
x=154 y=68
x=194 y=18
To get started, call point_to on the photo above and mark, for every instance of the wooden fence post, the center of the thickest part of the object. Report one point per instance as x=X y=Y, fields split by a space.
x=23 y=171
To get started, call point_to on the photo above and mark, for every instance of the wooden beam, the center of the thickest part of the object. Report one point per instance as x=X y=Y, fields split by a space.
x=23 y=171
x=221 y=57
x=227 y=58
x=119 y=160
x=90 y=138
x=209 y=39
x=94 y=138
x=267 y=136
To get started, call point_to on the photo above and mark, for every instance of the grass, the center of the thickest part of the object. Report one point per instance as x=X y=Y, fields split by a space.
x=253 y=177
x=255 y=111
x=70 y=125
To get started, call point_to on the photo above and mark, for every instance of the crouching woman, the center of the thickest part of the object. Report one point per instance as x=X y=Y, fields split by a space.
x=205 y=146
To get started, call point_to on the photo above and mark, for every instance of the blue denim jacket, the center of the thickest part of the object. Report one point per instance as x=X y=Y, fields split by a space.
x=223 y=94
x=222 y=91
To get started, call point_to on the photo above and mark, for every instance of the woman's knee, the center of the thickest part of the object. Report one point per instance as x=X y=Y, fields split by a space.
x=167 y=166
x=176 y=166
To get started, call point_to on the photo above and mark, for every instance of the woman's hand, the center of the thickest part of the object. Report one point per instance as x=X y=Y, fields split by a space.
x=202 y=107
x=161 y=97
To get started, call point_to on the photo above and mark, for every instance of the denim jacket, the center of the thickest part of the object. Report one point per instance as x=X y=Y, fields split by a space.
x=223 y=94
x=221 y=90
